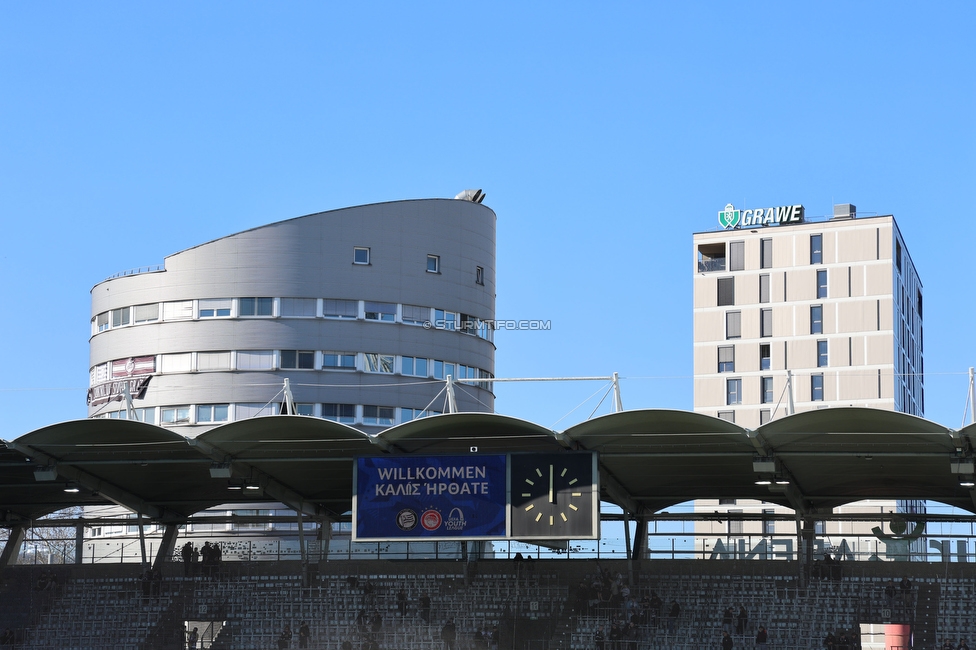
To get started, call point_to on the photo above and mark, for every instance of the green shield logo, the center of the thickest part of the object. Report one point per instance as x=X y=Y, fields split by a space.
x=729 y=217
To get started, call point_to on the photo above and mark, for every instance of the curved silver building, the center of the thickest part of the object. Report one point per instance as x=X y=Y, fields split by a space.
x=362 y=311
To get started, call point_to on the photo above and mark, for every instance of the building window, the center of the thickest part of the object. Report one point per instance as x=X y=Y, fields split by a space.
x=822 y=283
x=179 y=310
x=733 y=391
x=816 y=249
x=384 y=311
x=766 y=390
x=816 y=319
x=765 y=322
x=215 y=308
x=726 y=359
x=816 y=388
x=433 y=263
x=379 y=415
x=898 y=255
x=764 y=288
x=733 y=324
x=763 y=416
x=297 y=307
x=121 y=317
x=726 y=292
x=338 y=360
x=443 y=368
x=174 y=415
x=210 y=361
x=255 y=307
x=479 y=275
x=180 y=362
x=726 y=502
x=768 y=524
x=305 y=409
x=711 y=257
x=378 y=362
x=407 y=414
x=735 y=522
x=253 y=410
x=145 y=313
x=345 y=413
x=444 y=320
x=821 y=354
x=764 y=362
x=415 y=315
x=297 y=359
x=737 y=255
x=728 y=416
x=340 y=308
x=212 y=413
x=255 y=360
x=765 y=253
x=360 y=255
x=413 y=366
x=101 y=322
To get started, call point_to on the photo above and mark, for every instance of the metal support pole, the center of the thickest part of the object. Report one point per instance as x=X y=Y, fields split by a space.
x=789 y=392
x=289 y=398
x=167 y=545
x=142 y=541
x=630 y=559
x=11 y=550
x=618 y=404
x=79 y=541
x=451 y=398
x=301 y=546
x=972 y=397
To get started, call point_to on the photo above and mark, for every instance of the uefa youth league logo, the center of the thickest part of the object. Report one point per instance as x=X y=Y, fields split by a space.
x=729 y=217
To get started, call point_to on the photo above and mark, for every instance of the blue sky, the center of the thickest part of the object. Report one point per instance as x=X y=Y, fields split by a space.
x=604 y=135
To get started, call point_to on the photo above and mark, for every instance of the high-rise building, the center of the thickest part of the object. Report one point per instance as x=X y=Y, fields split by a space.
x=364 y=310
x=794 y=314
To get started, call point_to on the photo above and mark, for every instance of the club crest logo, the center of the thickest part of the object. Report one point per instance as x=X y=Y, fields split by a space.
x=729 y=217
x=431 y=520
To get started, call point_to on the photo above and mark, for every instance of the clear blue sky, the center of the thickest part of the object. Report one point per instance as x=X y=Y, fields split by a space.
x=604 y=134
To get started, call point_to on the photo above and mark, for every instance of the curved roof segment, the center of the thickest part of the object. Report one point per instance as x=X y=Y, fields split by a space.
x=649 y=460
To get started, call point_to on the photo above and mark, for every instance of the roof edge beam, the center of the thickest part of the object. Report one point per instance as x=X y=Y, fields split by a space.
x=617 y=493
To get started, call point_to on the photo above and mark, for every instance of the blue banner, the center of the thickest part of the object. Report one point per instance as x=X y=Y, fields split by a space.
x=406 y=497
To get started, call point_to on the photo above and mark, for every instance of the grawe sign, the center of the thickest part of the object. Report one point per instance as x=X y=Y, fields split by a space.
x=730 y=218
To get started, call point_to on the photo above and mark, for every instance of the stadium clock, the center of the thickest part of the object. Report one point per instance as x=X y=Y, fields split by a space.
x=554 y=496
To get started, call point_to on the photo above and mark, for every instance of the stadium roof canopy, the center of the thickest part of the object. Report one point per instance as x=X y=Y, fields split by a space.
x=649 y=460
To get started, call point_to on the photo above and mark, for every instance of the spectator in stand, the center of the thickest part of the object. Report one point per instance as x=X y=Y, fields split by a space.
x=906 y=592
x=600 y=639
x=844 y=641
x=656 y=605
x=889 y=592
x=195 y=561
x=284 y=641
x=962 y=645
x=187 y=554
x=425 y=608
x=304 y=634
x=192 y=638
x=947 y=645
x=727 y=617
x=726 y=641
x=741 y=621
x=829 y=641
x=401 y=599
x=376 y=622
x=761 y=638
x=449 y=635
x=673 y=615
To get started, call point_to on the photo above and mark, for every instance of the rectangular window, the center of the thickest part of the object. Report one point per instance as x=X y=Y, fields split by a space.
x=816 y=388
x=338 y=360
x=120 y=317
x=438 y=369
x=179 y=310
x=379 y=415
x=414 y=366
x=209 y=361
x=764 y=288
x=298 y=307
x=728 y=416
x=816 y=249
x=822 y=283
x=345 y=413
x=898 y=255
x=101 y=322
x=253 y=410
x=298 y=359
x=378 y=362
x=174 y=362
x=726 y=359
x=433 y=263
x=763 y=416
x=711 y=257
x=145 y=313
x=726 y=501
x=407 y=414
x=726 y=292
x=765 y=253
x=212 y=413
x=340 y=308
x=174 y=415
x=444 y=320
x=735 y=523
x=764 y=356
x=215 y=308
x=360 y=255
x=255 y=307
x=733 y=391
x=384 y=311
x=255 y=360
x=768 y=524
x=737 y=255
x=415 y=315
x=816 y=319
x=765 y=322
x=766 y=390
x=733 y=324
x=305 y=409
x=821 y=354
x=479 y=275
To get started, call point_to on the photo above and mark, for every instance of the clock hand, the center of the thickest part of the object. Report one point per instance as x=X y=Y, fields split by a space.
x=552 y=497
